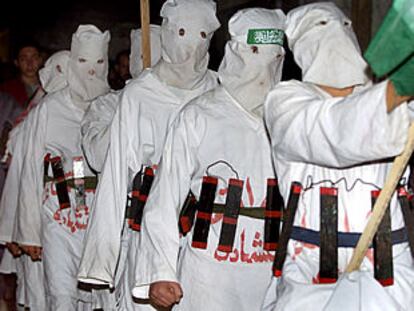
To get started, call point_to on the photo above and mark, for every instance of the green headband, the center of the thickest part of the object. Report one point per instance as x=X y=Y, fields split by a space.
x=265 y=36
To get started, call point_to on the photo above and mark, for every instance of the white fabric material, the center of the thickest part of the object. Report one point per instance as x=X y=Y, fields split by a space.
x=32 y=279
x=9 y=199
x=186 y=31
x=53 y=76
x=31 y=288
x=321 y=37
x=88 y=64
x=39 y=220
x=137 y=133
x=135 y=58
x=8 y=263
x=9 y=112
x=247 y=74
x=95 y=144
x=95 y=128
x=321 y=141
x=360 y=291
x=214 y=136
x=125 y=277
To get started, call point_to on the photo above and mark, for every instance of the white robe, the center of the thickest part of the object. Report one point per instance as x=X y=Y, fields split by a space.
x=317 y=139
x=10 y=110
x=95 y=143
x=147 y=108
x=55 y=130
x=30 y=275
x=95 y=128
x=214 y=136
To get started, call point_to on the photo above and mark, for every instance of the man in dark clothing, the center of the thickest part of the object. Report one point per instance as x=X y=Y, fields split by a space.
x=28 y=61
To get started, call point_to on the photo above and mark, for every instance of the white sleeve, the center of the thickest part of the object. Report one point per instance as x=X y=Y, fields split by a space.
x=157 y=254
x=28 y=216
x=95 y=130
x=103 y=236
x=10 y=195
x=334 y=132
x=411 y=109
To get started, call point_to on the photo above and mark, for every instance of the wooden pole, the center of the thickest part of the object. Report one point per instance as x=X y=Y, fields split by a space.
x=145 y=31
x=381 y=204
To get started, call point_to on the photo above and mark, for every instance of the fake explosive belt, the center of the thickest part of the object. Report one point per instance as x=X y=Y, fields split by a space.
x=328 y=239
x=206 y=207
x=199 y=214
x=141 y=187
x=79 y=182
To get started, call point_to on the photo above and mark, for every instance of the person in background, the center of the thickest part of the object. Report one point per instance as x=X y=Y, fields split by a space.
x=28 y=62
x=120 y=72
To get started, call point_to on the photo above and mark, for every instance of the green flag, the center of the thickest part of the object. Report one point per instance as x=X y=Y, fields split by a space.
x=391 y=52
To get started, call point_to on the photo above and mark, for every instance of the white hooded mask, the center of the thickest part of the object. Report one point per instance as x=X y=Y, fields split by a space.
x=135 y=58
x=53 y=76
x=186 y=31
x=253 y=59
x=325 y=46
x=88 y=64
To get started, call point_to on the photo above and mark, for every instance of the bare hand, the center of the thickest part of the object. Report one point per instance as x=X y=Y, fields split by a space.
x=393 y=99
x=35 y=252
x=14 y=249
x=165 y=294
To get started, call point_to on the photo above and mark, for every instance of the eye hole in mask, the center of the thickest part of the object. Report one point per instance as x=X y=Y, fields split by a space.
x=203 y=34
x=181 y=32
x=347 y=23
x=255 y=49
x=279 y=56
x=100 y=61
x=81 y=60
x=322 y=23
x=58 y=69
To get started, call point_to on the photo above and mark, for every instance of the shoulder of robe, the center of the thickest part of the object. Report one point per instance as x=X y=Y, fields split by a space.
x=287 y=90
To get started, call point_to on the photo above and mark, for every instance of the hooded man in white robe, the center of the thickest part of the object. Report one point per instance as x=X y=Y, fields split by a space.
x=218 y=138
x=98 y=118
x=30 y=280
x=95 y=144
x=48 y=227
x=148 y=106
x=333 y=133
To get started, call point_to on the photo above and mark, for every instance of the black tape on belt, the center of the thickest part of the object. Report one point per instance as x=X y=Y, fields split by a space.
x=231 y=215
x=383 y=265
x=142 y=197
x=187 y=214
x=288 y=218
x=60 y=182
x=328 y=252
x=273 y=214
x=132 y=211
x=46 y=164
x=408 y=213
x=204 y=211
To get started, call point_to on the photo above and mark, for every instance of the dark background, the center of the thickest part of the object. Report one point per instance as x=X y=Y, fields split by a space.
x=51 y=23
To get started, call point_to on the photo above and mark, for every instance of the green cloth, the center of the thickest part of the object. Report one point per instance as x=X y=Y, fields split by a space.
x=392 y=49
x=403 y=78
